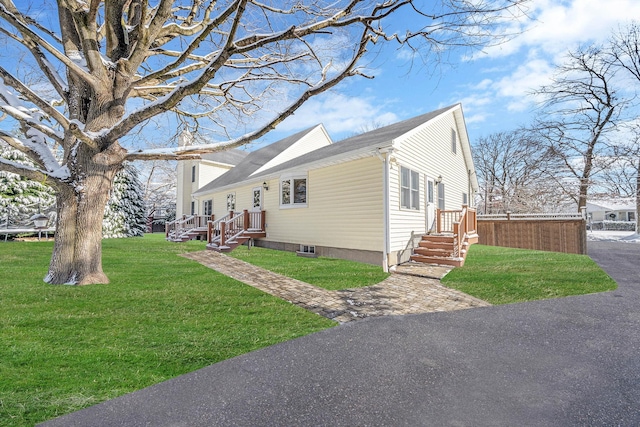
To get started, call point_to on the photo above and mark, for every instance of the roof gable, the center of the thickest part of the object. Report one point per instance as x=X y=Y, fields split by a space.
x=258 y=158
x=378 y=138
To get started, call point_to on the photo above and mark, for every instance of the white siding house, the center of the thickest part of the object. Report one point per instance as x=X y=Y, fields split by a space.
x=366 y=198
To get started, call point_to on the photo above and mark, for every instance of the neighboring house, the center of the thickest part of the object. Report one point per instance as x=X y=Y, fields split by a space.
x=192 y=175
x=368 y=198
x=612 y=209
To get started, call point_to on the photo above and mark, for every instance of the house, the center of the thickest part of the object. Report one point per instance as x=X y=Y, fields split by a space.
x=369 y=198
x=612 y=209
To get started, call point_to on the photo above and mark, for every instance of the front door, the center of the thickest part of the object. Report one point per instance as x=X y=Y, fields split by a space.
x=257 y=199
x=430 y=207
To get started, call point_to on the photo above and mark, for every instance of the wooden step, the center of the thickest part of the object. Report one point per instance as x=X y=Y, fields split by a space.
x=435 y=245
x=437 y=252
x=456 y=262
x=437 y=238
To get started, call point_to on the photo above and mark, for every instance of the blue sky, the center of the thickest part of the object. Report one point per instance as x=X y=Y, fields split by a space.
x=493 y=86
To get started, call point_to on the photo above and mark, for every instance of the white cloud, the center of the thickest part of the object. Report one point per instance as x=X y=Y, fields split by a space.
x=559 y=25
x=339 y=114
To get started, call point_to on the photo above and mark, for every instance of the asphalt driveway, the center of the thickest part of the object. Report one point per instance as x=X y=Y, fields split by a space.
x=564 y=362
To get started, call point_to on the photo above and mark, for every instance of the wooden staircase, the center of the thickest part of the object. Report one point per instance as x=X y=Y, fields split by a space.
x=187 y=228
x=455 y=232
x=438 y=249
x=226 y=234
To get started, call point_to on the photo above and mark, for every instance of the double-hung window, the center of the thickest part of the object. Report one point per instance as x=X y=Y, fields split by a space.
x=293 y=191
x=409 y=189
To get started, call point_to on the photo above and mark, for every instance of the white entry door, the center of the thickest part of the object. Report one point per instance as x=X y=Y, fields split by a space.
x=430 y=206
x=257 y=199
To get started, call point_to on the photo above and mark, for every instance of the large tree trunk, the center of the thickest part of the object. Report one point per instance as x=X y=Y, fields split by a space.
x=77 y=252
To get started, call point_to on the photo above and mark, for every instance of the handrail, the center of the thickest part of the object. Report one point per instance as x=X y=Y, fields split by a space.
x=461 y=224
x=213 y=227
x=235 y=226
x=183 y=225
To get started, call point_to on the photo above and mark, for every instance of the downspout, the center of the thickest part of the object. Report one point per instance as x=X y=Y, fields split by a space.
x=385 y=157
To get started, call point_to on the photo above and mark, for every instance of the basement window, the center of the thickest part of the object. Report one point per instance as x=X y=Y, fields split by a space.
x=308 y=251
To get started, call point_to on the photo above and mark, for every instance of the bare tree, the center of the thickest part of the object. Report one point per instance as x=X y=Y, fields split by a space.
x=581 y=106
x=626 y=55
x=112 y=66
x=512 y=172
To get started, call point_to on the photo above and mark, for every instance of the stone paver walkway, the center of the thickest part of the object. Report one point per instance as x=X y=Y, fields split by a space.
x=412 y=289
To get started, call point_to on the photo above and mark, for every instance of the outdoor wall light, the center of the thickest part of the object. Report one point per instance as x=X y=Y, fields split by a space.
x=265 y=186
x=439 y=179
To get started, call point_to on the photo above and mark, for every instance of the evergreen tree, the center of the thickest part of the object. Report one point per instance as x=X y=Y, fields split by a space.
x=20 y=198
x=125 y=213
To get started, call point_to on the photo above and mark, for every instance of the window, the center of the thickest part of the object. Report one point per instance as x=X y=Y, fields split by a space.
x=231 y=201
x=293 y=192
x=454 y=141
x=207 y=207
x=409 y=189
x=193 y=173
x=430 y=191
x=632 y=216
x=465 y=199
x=441 y=196
x=307 y=249
x=193 y=208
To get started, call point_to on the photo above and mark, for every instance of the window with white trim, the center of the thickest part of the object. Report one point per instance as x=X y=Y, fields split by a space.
x=193 y=173
x=293 y=191
x=465 y=199
x=193 y=208
x=409 y=189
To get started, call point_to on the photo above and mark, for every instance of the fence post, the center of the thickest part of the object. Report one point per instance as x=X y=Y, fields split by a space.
x=508 y=215
x=223 y=233
x=209 y=231
x=245 y=225
x=438 y=221
x=263 y=222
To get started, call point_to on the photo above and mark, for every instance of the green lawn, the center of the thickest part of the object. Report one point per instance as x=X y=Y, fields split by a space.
x=327 y=273
x=63 y=348
x=504 y=275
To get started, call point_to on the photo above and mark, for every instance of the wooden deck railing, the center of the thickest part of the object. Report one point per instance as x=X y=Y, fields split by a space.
x=462 y=224
x=233 y=225
x=186 y=223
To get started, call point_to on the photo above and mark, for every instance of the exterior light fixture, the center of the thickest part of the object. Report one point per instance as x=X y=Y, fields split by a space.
x=40 y=222
x=265 y=186
x=439 y=179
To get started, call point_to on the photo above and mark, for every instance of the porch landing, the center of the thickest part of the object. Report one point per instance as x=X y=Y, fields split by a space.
x=398 y=294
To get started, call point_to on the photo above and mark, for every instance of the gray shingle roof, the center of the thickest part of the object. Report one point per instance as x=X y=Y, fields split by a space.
x=229 y=157
x=253 y=161
x=374 y=139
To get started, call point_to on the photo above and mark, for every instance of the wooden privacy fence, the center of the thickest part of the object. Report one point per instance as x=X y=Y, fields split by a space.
x=544 y=232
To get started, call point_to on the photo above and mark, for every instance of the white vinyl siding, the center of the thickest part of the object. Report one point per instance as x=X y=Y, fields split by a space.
x=316 y=138
x=427 y=151
x=344 y=209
